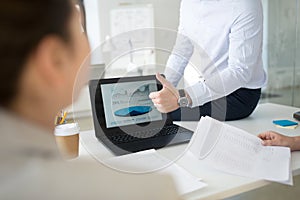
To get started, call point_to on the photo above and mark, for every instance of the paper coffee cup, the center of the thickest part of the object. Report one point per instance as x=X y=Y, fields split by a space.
x=67 y=139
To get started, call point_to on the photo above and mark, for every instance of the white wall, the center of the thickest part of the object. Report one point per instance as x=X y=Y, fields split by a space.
x=166 y=15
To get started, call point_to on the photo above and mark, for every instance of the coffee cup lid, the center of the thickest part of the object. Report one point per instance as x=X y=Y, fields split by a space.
x=67 y=129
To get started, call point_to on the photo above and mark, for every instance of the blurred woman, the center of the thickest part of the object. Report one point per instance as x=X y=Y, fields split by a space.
x=42 y=48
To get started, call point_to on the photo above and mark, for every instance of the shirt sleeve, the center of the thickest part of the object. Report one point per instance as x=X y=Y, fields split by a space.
x=244 y=54
x=181 y=54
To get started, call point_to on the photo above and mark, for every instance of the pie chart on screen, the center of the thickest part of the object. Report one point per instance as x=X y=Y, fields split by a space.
x=133 y=111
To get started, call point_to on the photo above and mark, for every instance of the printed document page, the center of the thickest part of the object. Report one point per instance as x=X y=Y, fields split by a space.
x=151 y=161
x=235 y=151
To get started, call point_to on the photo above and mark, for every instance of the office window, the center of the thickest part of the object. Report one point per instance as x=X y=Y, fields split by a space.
x=282 y=52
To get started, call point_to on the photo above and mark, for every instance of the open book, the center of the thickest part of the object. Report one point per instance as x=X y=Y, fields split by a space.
x=237 y=152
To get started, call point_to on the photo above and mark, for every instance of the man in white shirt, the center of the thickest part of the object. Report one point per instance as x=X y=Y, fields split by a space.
x=230 y=34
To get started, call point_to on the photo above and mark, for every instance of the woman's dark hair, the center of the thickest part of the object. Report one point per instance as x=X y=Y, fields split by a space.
x=23 y=24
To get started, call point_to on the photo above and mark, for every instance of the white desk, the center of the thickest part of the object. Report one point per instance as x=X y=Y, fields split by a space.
x=222 y=185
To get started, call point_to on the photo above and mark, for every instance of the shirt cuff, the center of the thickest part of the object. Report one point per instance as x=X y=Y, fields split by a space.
x=192 y=92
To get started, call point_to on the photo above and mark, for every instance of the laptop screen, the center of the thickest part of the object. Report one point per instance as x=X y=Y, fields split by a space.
x=128 y=103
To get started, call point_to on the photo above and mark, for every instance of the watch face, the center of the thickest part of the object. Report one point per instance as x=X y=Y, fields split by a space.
x=183 y=102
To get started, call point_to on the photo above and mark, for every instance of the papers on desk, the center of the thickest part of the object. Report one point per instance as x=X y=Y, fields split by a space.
x=150 y=161
x=235 y=151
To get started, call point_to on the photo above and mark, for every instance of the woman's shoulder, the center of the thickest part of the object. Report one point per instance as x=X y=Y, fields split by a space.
x=20 y=138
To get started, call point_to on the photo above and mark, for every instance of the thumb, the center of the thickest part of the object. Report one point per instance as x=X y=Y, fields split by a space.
x=265 y=142
x=161 y=79
x=269 y=143
x=167 y=85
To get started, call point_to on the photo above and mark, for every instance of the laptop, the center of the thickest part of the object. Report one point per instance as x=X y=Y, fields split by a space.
x=126 y=120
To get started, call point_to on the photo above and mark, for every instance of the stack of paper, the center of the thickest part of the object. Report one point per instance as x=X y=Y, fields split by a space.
x=151 y=161
x=235 y=151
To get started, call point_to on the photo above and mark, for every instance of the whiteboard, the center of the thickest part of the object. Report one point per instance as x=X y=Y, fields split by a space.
x=128 y=18
x=131 y=28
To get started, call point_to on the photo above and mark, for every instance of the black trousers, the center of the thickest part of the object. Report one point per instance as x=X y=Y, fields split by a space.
x=239 y=104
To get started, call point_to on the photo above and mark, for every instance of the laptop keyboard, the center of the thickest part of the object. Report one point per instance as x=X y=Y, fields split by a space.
x=152 y=133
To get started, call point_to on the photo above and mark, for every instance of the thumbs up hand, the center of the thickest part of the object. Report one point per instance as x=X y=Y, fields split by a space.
x=165 y=100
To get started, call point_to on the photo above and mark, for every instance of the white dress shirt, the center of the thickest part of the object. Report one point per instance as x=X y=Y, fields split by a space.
x=229 y=34
x=31 y=168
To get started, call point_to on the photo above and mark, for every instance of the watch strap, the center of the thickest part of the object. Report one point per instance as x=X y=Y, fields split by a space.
x=181 y=93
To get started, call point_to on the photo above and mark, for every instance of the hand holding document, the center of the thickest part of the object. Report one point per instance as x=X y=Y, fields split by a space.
x=235 y=151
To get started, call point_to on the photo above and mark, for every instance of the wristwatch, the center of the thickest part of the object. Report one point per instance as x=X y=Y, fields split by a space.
x=183 y=101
